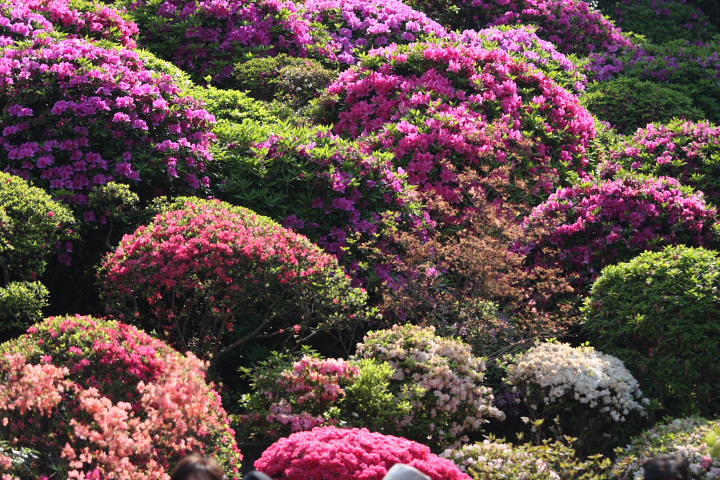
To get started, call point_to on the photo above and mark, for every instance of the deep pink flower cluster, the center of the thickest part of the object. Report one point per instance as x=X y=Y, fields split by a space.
x=442 y=108
x=358 y=25
x=687 y=151
x=76 y=116
x=208 y=37
x=597 y=224
x=19 y=22
x=327 y=453
x=571 y=24
x=199 y=271
x=100 y=399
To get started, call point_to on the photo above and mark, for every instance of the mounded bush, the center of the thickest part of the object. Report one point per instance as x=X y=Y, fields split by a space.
x=213 y=277
x=683 y=436
x=357 y=454
x=629 y=104
x=440 y=377
x=104 y=400
x=584 y=228
x=446 y=108
x=77 y=116
x=657 y=312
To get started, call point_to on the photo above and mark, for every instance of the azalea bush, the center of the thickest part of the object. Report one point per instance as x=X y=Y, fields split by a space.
x=77 y=116
x=657 y=313
x=440 y=377
x=357 y=454
x=100 y=399
x=595 y=224
x=213 y=277
x=574 y=391
x=684 y=436
x=445 y=108
x=687 y=151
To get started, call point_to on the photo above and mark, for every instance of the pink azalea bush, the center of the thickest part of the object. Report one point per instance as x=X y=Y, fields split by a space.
x=440 y=377
x=356 y=26
x=327 y=453
x=18 y=22
x=589 y=226
x=76 y=116
x=100 y=399
x=215 y=276
x=443 y=108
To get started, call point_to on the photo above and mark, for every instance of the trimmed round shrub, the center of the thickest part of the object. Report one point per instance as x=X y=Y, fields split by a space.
x=77 y=116
x=356 y=26
x=629 y=104
x=683 y=436
x=687 y=151
x=104 y=400
x=440 y=377
x=213 y=277
x=208 y=38
x=21 y=305
x=657 y=312
x=327 y=453
x=444 y=108
x=584 y=228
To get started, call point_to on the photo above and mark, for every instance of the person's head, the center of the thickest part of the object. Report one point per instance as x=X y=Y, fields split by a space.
x=195 y=467
x=667 y=467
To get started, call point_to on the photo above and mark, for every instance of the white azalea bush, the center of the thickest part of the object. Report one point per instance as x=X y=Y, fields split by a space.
x=684 y=436
x=439 y=376
x=574 y=388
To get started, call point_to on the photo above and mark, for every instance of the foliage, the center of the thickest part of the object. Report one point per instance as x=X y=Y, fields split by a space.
x=574 y=391
x=101 y=399
x=213 y=277
x=357 y=454
x=589 y=226
x=21 y=305
x=681 y=435
x=440 y=378
x=497 y=460
x=77 y=116
x=629 y=104
x=657 y=313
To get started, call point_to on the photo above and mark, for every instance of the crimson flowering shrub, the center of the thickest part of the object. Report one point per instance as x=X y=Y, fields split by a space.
x=100 y=399
x=215 y=276
x=595 y=224
x=356 y=26
x=687 y=151
x=210 y=37
x=77 y=116
x=444 y=108
x=355 y=454
x=440 y=377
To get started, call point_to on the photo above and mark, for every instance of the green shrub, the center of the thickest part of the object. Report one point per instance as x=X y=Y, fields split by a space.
x=21 y=305
x=628 y=103
x=658 y=313
x=233 y=106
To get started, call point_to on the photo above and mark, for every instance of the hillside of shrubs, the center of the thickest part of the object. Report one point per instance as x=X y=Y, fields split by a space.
x=318 y=238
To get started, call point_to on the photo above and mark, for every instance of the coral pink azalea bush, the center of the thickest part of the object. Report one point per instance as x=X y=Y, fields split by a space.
x=215 y=276
x=589 y=226
x=76 y=116
x=100 y=399
x=327 y=453
x=442 y=108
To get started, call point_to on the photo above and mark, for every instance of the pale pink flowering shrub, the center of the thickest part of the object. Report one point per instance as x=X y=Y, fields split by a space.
x=77 y=116
x=327 y=453
x=215 y=276
x=589 y=226
x=440 y=377
x=100 y=399
x=445 y=108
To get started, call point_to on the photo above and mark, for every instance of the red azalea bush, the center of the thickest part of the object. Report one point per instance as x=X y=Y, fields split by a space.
x=443 y=108
x=327 y=453
x=100 y=399
x=76 y=116
x=590 y=226
x=215 y=276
